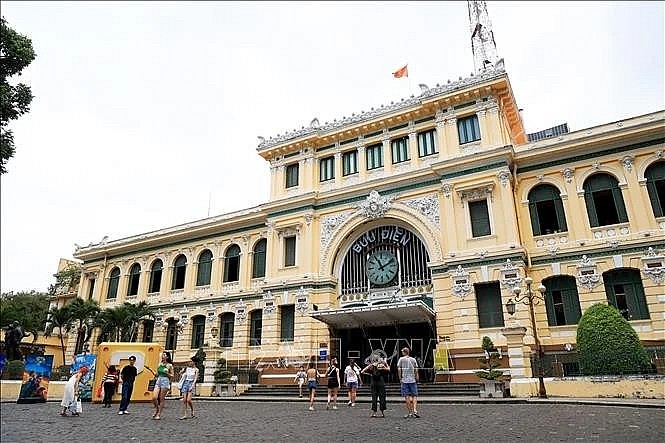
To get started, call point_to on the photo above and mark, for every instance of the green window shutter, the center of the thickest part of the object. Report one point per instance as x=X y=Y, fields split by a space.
x=533 y=213
x=488 y=303
x=560 y=215
x=590 y=208
x=621 y=207
x=653 y=197
x=571 y=305
x=549 y=308
x=480 y=220
x=637 y=302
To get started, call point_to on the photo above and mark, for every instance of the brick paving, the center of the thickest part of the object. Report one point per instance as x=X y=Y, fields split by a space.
x=242 y=421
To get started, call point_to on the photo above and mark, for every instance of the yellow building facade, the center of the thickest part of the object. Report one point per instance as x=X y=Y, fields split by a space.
x=410 y=225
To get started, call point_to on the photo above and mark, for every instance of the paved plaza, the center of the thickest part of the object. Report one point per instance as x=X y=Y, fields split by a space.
x=243 y=421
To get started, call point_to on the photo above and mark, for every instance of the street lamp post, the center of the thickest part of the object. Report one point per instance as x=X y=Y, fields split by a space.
x=531 y=298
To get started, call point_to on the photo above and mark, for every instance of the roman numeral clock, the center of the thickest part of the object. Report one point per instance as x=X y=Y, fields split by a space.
x=381 y=267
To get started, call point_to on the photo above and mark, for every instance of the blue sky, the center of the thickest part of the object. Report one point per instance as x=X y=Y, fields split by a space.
x=146 y=114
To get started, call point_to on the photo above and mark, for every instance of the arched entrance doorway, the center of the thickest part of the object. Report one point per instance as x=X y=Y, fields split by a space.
x=384 y=299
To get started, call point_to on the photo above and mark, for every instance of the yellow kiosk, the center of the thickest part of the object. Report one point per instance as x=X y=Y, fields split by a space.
x=118 y=353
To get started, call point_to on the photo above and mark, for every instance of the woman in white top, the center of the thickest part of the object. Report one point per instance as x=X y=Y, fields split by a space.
x=191 y=374
x=351 y=379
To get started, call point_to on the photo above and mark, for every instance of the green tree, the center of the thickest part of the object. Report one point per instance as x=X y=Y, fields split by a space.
x=27 y=308
x=121 y=323
x=16 y=53
x=60 y=318
x=111 y=321
x=607 y=344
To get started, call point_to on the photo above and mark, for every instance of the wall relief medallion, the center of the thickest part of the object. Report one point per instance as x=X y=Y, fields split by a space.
x=375 y=205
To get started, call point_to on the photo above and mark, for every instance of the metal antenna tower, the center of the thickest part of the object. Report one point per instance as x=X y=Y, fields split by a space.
x=482 y=38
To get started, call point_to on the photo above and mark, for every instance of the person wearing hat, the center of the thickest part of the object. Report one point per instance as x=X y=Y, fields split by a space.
x=127 y=376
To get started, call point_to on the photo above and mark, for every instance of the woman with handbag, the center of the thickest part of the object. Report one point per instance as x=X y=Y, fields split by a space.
x=162 y=385
x=187 y=383
x=70 y=396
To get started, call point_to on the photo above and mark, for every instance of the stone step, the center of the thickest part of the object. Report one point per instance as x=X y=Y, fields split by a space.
x=424 y=390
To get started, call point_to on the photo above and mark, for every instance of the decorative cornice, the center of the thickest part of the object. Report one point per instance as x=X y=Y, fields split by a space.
x=382 y=110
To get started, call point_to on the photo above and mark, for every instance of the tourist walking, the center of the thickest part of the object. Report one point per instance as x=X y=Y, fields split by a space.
x=407 y=370
x=300 y=379
x=71 y=393
x=312 y=382
x=377 y=372
x=110 y=385
x=191 y=374
x=351 y=380
x=162 y=385
x=332 y=374
x=127 y=376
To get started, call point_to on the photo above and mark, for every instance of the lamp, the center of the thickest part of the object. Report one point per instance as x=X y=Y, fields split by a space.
x=531 y=298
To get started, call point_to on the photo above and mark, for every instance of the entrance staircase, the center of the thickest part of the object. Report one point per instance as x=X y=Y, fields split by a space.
x=425 y=390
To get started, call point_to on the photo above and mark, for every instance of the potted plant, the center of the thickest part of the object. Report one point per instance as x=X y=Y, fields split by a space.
x=222 y=378
x=492 y=384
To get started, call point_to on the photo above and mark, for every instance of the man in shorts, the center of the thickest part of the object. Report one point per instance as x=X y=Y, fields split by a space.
x=407 y=369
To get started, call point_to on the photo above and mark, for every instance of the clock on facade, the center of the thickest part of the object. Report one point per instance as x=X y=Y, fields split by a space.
x=381 y=267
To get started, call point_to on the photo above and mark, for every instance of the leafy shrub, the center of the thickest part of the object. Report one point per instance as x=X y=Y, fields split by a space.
x=13 y=370
x=490 y=362
x=607 y=344
x=222 y=374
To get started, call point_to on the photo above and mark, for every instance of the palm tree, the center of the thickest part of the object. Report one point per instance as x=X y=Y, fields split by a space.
x=84 y=313
x=111 y=321
x=136 y=314
x=60 y=318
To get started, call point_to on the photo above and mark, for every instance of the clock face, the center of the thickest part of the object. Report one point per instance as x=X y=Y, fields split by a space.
x=381 y=267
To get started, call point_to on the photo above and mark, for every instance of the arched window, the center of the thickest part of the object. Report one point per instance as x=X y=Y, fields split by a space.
x=134 y=277
x=604 y=202
x=198 y=331
x=562 y=302
x=226 y=330
x=155 y=276
x=171 y=334
x=114 y=279
x=205 y=268
x=232 y=263
x=255 y=327
x=259 y=262
x=655 y=175
x=546 y=210
x=148 y=330
x=624 y=291
x=179 y=269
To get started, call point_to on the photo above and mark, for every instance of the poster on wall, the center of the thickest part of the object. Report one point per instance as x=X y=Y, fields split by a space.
x=85 y=385
x=36 y=377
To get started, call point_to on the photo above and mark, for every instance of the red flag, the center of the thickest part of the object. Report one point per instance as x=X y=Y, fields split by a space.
x=401 y=72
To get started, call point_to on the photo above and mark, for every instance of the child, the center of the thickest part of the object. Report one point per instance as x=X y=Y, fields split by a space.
x=300 y=378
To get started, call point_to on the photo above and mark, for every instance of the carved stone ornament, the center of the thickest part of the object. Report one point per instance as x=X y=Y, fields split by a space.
x=447 y=189
x=211 y=313
x=568 y=174
x=627 y=162
x=587 y=277
x=269 y=306
x=510 y=276
x=159 y=318
x=329 y=225
x=184 y=316
x=241 y=311
x=504 y=177
x=461 y=283
x=302 y=301
x=654 y=265
x=428 y=206
x=375 y=205
x=476 y=193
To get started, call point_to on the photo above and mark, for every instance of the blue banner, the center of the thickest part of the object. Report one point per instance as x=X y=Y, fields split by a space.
x=85 y=385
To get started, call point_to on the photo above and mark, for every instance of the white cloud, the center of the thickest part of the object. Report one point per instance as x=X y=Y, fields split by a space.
x=143 y=110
